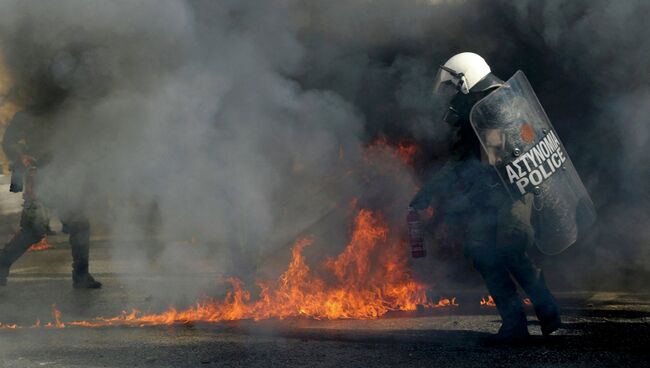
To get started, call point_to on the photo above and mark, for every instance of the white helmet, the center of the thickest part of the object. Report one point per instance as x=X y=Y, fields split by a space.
x=461 y=72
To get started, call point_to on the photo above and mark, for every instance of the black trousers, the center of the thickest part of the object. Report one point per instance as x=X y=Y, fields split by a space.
x=500 y=268
x=33 y=227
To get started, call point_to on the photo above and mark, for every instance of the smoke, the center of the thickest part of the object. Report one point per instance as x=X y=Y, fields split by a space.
x=588 y=62
x=238 y=124
x=602 y=111
x=181 y=119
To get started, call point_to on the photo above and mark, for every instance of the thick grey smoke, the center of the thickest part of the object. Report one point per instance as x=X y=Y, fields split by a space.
x=182 y=114
x=587 y=60
x=239 y=123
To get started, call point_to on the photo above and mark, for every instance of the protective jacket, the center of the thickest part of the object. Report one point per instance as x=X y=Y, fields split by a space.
x=469 y=191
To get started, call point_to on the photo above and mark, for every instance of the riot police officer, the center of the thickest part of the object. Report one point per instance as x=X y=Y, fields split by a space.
x=496 y=229
x=26 y=145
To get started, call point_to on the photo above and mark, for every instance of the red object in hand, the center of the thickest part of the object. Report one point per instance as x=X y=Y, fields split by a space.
x=416 y=235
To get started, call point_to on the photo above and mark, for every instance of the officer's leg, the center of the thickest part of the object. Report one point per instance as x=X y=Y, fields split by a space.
x=32 y=230
x=503 y=290
x=532 y=281
x=80 y=244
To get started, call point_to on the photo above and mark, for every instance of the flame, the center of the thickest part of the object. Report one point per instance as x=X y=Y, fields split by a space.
x=41 y=245
x=57 y=318
x=445 y=302
x=9 y=326
x=488 y=302
x=405 y=152
x=56 y=324
x=367 y=280
x=356 y=287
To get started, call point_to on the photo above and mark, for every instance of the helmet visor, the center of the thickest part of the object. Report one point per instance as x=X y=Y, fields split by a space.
x=444 y=91
x=442 y=78
x=444 y=88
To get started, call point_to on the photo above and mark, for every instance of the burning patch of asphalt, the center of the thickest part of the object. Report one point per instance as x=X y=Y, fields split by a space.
x=368 y=279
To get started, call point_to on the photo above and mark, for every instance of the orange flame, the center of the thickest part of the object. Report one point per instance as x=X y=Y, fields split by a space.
x=488 y=302
x=41 y=245
x=358 y=289
x=57 y=319
x=367 y=280
x=405 y=152
x=445 y=302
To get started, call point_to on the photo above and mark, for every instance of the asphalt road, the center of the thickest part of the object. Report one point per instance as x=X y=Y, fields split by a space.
x=601 y=329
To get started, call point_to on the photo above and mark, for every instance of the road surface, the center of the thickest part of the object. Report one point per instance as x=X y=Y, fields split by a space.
x=602 y=329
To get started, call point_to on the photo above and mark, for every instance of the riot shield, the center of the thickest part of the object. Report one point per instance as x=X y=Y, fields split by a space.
x=520 y=142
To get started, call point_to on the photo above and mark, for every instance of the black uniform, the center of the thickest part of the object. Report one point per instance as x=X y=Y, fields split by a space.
x=496 y=231
x=27 y=134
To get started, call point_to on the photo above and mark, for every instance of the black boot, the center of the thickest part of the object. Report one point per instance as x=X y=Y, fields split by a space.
x=82 y=279
x=546 y=307
x=80 y=245
x=549 y=318
x=533 y=282
x=514 y=327
x=504 y=292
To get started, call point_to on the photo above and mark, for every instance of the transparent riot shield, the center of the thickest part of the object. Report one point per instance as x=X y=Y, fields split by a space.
x=520 y=142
